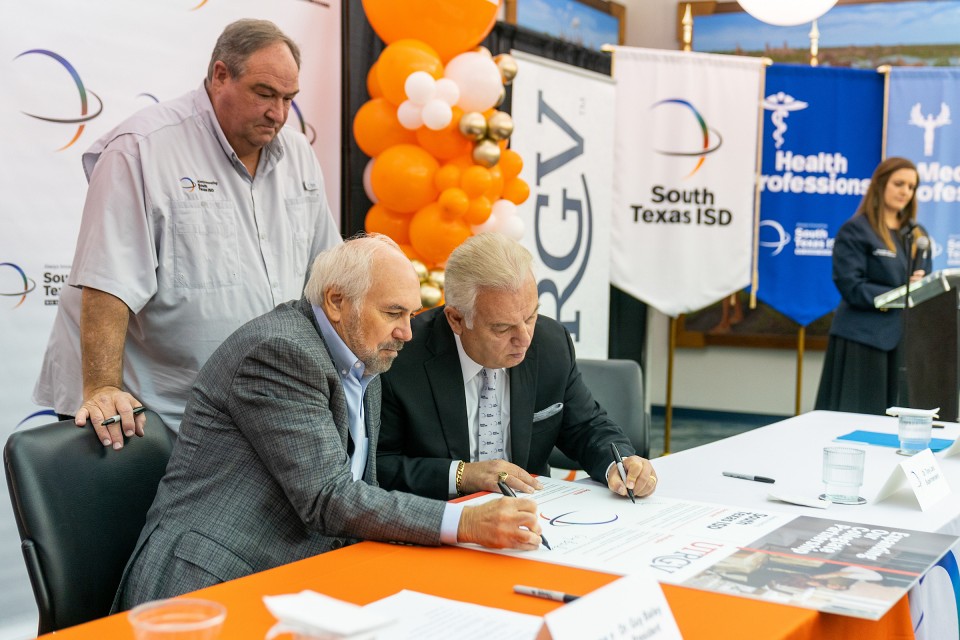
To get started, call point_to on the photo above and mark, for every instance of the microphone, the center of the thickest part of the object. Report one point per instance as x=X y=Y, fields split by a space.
x=923 y=246
x=907 y=229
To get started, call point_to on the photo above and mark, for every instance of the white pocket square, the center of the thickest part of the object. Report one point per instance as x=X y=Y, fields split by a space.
x=543 y=414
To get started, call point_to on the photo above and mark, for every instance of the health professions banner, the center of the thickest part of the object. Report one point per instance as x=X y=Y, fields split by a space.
x=685 y=162
x=821 y=141
x=563 y=129
x=923 y=124
x=73 y=71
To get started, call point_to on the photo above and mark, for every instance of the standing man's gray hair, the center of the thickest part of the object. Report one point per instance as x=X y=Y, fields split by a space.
x=347 y=267
x=484 y=261
x=243 y=38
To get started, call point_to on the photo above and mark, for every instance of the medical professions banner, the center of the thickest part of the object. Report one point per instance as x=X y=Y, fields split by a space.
x=923 y=124
x=563 y=120
x=685 y=164
x=822 y=129
x=75 y=70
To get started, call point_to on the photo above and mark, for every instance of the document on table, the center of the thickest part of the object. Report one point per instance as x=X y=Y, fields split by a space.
x=817 y=563
x=424 y=617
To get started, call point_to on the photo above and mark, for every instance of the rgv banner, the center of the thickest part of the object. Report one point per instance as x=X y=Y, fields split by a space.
x=684 y=176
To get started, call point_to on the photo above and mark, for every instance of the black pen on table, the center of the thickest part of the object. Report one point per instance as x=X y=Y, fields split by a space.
x=137 y=411
x=507 y=491
x=623 y=472
x=747 y=476
x=547 y=594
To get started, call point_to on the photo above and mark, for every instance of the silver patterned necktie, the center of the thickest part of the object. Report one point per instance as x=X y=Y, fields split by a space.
x=491 y=427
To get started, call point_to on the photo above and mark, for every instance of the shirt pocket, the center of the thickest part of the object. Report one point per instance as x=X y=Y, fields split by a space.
x=302 y=216
x=206 y=246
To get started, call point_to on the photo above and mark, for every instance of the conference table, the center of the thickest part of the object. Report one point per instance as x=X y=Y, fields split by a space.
x=788 y=451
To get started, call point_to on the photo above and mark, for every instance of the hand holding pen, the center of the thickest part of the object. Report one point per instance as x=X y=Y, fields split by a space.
x=507 y=491
x=105 y=408
x=636 y=475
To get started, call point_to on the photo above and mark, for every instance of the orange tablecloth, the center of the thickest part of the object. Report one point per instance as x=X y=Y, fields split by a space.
x=369 y=571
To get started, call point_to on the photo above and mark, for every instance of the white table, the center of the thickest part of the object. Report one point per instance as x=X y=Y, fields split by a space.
x=791 y=451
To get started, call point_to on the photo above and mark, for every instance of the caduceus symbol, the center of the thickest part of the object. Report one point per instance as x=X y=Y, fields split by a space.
x=781 y=105
x=929 y=123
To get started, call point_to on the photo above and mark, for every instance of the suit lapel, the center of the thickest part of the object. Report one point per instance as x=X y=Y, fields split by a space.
x=523 y=391
x=446 y=385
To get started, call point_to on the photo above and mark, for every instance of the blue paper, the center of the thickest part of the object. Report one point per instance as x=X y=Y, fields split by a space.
x=890 y=440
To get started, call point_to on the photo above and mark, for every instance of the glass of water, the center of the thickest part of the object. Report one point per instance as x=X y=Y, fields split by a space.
x=843 y=474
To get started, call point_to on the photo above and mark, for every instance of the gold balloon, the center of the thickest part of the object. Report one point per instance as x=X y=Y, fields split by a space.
x=482 y=49
x=430 y=295
x=502 y=97
x=473 y=125
x=437 y=277
x=499 y=125
x=508 y=67
x=486 y=153
x=421 y=269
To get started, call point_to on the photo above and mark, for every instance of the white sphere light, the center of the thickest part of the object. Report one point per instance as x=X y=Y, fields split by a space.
x=786 y=13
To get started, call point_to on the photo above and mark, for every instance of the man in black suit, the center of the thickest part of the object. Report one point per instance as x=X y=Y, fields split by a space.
x=487 y=387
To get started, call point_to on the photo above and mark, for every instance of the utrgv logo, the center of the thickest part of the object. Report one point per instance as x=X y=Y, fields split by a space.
x=24 y=285
x=85 y=116
x=705 y=131
x=781 y=105
x=929 y=123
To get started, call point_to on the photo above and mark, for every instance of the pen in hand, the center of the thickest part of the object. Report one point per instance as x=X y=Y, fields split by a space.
x=115 y=419
x=507 y=491
x=623 y=472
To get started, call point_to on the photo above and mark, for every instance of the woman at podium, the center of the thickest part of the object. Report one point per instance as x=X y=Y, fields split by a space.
x=874 y=251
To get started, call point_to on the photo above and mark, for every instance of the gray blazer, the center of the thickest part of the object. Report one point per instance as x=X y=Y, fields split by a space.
x=260 y=474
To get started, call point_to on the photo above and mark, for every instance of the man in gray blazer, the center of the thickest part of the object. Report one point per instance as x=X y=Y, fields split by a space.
x=275 y=460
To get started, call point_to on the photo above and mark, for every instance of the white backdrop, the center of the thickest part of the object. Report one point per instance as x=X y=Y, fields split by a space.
x=563 y=119
x=121 y=56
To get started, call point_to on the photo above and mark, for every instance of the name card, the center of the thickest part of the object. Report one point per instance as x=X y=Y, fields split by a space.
x=922 y=474
x=952 y=450
x=631 y=607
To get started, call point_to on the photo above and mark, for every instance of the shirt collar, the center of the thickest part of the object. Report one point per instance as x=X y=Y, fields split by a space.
x=205 y=108
x=468 y=367
x=347 y=363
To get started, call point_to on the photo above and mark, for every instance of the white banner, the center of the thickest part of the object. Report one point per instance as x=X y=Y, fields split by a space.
x=685 y=163
x=563 y=129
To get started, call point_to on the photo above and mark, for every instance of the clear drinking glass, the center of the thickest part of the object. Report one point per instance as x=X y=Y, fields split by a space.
x=843 y=474
x=178 y=619
x=914 y=433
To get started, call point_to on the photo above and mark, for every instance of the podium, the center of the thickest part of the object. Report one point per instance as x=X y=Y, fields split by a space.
x=932 y=331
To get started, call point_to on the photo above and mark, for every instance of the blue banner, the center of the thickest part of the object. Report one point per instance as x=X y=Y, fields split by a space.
x=923 y=124
x=821 y=142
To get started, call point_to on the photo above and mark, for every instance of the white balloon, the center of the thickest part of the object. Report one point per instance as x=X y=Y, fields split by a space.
x=786 y=13
x=420 y=87
x=436 y=114
x=367 y=183
x=490 y=224
x=408 y=113
x=448 y=91
x=512 y=227
x=504 y=209
x=478 y=79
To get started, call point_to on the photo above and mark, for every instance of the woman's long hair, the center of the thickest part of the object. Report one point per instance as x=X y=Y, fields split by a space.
x=872 y=204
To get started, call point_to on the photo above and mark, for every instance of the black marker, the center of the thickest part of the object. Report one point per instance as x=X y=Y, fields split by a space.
x=744 y=476
x=623 y=472
x=116 y=418
x=507 y=491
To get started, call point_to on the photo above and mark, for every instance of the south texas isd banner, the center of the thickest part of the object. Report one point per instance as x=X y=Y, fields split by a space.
x=684 y=176
x=923 y=124
x=821 y=142
x=563 y=119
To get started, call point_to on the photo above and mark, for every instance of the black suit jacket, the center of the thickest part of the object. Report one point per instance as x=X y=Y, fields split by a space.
x=424 y=419
x=863 y=268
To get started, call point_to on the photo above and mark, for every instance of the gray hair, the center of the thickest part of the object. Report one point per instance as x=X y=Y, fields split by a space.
x=348 y=268
x=484 y=261
x=243 y=38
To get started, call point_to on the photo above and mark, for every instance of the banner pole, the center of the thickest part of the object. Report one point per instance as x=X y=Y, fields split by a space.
x=885 y=70
x=801 y=343
x=758 y=168
x=668 y=410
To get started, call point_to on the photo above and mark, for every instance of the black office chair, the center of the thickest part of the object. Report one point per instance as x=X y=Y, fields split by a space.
x=617 y=385
x=80 y=508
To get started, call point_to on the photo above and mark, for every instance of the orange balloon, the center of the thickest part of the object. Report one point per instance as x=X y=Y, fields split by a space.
x=496 y=184
x=402 y=178
x=449 y=26
x=434 y=234
x=476 y=180
x=447 y=176
x=373 y=84
x=516 y=191
x=478 y=211
x=412 y=254
x=454 y=202
x=381 y=220
x=398 y=61
x=510 y=163
x=375 y=127
x=446 y=143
